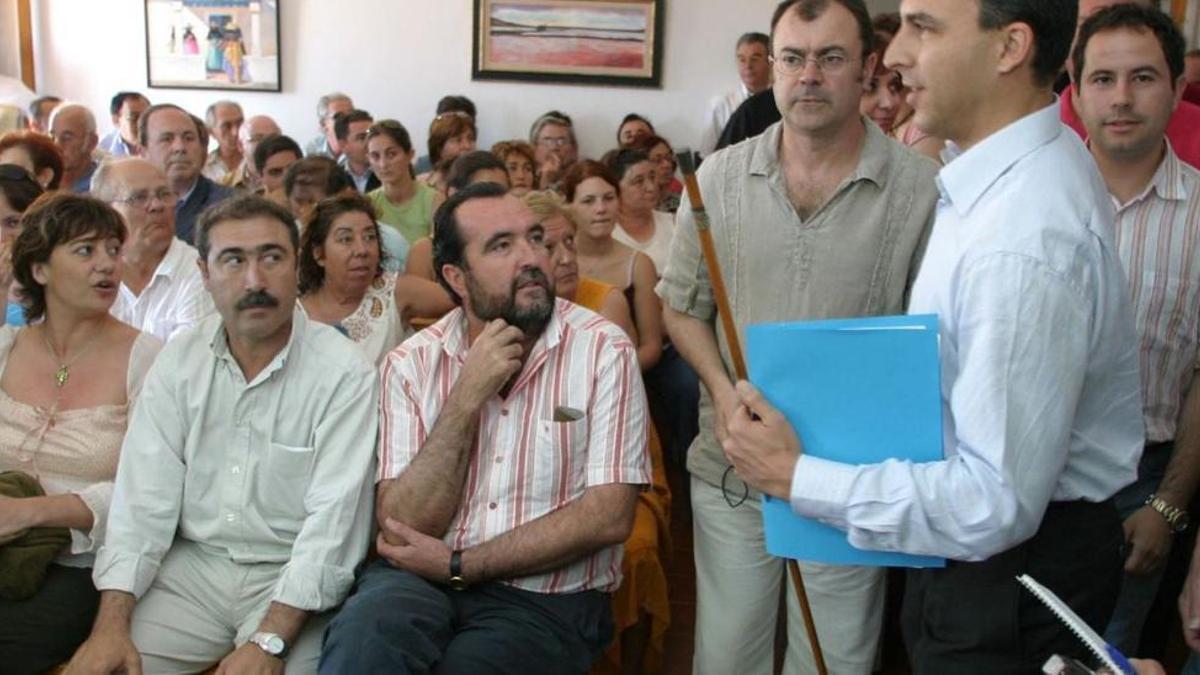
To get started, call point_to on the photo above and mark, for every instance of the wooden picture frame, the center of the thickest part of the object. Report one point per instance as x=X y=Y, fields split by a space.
x=609 y=42
x=213 y=44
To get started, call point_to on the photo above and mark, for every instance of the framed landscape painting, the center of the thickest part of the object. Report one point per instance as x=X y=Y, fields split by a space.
x=571 y=41
x=213 y=44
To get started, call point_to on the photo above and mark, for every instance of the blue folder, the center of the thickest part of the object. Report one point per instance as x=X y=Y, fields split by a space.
x=857 y=391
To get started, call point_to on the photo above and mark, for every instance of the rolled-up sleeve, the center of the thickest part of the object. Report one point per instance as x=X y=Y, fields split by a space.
x=685 y=286
x=338 y=503
x=617 y=434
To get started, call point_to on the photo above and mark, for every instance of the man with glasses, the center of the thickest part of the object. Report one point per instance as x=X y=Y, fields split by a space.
x=554 y=148
x=161 y=291
x=825 y=202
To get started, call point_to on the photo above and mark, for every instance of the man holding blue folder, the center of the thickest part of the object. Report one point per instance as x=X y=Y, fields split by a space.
x=1042 y=407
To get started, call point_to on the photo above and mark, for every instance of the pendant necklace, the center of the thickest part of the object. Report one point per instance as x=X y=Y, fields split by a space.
x=64 y=367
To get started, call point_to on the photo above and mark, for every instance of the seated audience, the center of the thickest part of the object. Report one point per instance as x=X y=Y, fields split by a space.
x=500 y=541
x=594 y=196
x=243 y=500
x=161 y=290
x=477 y=166
x=174 y=141
x=224 y=120
x=446 y=104
x=35 y=153
x=254 y=131
x=126 y=107
x=351 y=131
x=326 y=143
x=670 y=188
x=73 y=128
x=403 y=202
x=555 y=149
x=39 y=113
x=633 y=127
x=17 y=191
x=69 y=381
x=343 y=282
x=451 y=134
x=272 y=158
x=518 y=161
x=640 y=226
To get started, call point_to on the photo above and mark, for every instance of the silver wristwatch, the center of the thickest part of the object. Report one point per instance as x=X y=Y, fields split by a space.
x=271 y=644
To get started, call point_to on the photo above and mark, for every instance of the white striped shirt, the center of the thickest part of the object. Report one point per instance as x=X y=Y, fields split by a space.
x=1158 y=240
x=529 y=458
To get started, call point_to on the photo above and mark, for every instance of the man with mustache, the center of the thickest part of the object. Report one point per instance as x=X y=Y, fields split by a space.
x=175 y=142
x=821 y=216
x=512 y=449
x=242 y=504
x=1128 y=79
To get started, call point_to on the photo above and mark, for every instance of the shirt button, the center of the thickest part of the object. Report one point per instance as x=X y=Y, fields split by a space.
x=235 y=470
x=492 y=506
x=504 y=411
x=499 y=460
x=229 y=517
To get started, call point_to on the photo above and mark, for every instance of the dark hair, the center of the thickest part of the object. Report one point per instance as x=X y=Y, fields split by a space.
x=583 y=170
x=633 y=117
x=468 y=164
x=118 y=100
x=144 y=123
x=755 y=39
x=325 y=169
x=393 y=130
x=888 y=22
x=1053 y=24
x=316 y=231
x=343 y=120
x=444 y=127
x=42 y=151
x=35 y=106
x=242 y=207
x=453 y=103
x=1136 y=17
x=18 y=187
x=448 y=243
x=51 y=221
x=619 y=161
x=273 y=145
x=810 y=10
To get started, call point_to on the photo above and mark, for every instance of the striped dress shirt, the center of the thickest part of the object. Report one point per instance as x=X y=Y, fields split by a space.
x=575 y=418
x=1158 y=240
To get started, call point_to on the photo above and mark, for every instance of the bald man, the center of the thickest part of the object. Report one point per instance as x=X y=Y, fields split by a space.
x=256 y=128
x=73 y=128
x=161 y=291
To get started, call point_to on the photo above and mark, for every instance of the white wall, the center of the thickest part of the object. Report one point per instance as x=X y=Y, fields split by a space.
x=396 y=58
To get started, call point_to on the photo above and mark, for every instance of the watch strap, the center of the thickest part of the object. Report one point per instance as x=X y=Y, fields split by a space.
x=1175 y=516
x=456 y=578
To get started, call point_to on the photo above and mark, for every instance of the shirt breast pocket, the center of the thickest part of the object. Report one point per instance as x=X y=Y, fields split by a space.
x=284 y=482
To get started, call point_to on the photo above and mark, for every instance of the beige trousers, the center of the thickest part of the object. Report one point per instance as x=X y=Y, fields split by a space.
x=737 y=598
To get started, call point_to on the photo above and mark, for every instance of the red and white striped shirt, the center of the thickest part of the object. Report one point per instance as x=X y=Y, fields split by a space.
x=575 y=418
x=1158 y=239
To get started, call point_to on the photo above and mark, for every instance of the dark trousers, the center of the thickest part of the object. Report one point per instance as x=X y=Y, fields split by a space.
x=974 y=617
x=396 y=622
x=673 y=391
x=44 y=631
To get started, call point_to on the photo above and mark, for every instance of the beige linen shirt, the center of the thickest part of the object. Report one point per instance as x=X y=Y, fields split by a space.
x=855 y=256
x=276 y=470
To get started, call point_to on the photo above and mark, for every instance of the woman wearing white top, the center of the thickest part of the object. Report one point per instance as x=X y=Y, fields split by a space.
x=342 y=282
x=639 y=225
x=68 y=382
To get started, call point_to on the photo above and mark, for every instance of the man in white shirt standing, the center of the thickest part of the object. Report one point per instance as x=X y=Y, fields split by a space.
x=1039 y=359
x=243 y=500
x=754 y=69
x=162 y=292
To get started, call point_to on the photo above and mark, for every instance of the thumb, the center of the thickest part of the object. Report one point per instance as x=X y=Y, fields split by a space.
x=753 y=399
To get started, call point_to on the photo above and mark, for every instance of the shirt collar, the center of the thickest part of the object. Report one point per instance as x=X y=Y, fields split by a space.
x=187 y=195
x=1168 y=179
x=872 y=161
x=174 y=259
x=968 y=175
x=219 y=344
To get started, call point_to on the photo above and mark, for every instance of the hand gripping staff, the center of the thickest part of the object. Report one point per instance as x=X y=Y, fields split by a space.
x=687 y=166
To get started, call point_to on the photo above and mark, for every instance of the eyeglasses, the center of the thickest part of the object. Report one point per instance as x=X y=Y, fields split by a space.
x=554 y=142
x=141 y=199
x=790 y=63
x=17 y=173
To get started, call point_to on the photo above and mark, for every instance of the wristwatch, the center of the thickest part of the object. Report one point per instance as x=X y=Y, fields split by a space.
x=1176 y=517
x=457 y=582
x=271 y=644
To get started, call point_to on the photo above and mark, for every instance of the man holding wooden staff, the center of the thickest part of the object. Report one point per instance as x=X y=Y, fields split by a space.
x=1039 y=361
x=821 y=216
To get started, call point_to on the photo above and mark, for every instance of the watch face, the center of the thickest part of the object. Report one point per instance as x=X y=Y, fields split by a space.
x=275 y=644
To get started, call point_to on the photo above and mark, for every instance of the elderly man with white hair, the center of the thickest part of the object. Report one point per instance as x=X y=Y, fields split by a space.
x=255 y=129
x=326 y=144
x=73 y=128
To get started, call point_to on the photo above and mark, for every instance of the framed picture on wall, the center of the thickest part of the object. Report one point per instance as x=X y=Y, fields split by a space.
x=569 y=41
x=213 y=44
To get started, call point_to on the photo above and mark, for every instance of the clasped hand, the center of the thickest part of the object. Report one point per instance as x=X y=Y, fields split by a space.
x=760 y=443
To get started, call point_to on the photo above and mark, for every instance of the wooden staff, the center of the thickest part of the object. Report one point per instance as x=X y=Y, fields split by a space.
x=687 y=167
